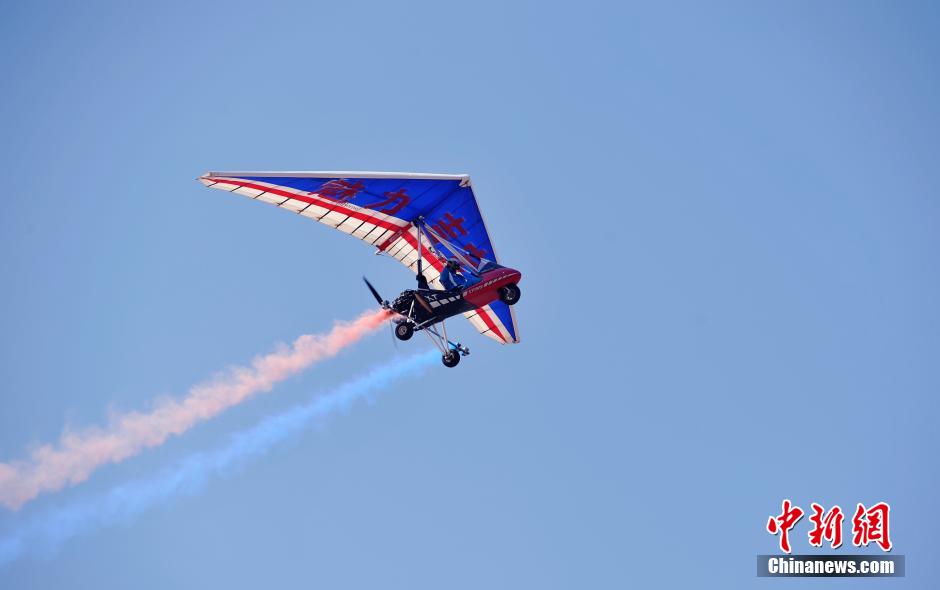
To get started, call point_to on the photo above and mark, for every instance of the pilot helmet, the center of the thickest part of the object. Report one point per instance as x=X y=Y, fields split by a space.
x=453 y=264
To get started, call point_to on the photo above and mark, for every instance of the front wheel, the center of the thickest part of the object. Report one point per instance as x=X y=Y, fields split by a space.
x=404 y=330
x=510 y=294
x=451 y=359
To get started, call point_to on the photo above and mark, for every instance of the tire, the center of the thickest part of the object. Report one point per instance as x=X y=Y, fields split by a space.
x=404 y=331
x=451 y=359
x=510 y=294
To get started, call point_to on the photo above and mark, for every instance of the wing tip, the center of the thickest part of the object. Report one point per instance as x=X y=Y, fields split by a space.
x=206 y=179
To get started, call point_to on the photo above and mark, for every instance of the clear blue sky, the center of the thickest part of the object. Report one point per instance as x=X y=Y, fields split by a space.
x=727 y=218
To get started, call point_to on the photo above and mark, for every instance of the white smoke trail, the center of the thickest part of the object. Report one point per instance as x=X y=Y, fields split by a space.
x=78 y=454
x=45 y=534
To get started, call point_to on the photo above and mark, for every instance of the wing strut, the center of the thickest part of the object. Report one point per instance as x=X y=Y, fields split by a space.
x=456 y=251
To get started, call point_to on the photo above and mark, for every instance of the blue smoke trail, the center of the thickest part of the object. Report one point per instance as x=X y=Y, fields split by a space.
x=47 y=532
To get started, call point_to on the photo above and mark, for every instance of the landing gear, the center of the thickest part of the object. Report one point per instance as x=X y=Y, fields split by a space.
x=406 y=323
x=450 y=351
x=404 y=330
x=510 y=294
x=451 y=358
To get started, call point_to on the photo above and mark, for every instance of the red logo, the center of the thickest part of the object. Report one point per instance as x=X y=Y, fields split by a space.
x=868 y=525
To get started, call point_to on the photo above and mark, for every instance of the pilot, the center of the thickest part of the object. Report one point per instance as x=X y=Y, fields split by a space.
x=452 y=278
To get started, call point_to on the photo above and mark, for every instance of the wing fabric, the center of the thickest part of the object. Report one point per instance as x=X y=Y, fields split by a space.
x=379 y=208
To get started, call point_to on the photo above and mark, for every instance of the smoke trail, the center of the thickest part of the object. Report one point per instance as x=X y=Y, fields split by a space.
x=78 y=454
x=46 y=533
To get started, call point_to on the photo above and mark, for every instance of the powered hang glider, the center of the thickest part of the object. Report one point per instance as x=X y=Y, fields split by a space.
x=421 y=220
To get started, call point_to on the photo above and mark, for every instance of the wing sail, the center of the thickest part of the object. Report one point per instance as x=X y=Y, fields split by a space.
x=379 y=208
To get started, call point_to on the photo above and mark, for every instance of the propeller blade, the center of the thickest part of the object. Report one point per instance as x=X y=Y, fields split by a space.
x=424 y=303
x=375 y=293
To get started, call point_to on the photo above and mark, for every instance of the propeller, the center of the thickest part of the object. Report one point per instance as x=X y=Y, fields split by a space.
x=378 y=298
x=385 y=305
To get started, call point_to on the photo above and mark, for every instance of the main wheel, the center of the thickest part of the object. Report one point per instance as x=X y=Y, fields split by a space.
x=404 y=330
x=451 y=359
x=510 y=294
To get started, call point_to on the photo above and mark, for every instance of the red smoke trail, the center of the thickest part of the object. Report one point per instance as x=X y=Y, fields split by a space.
x=78 y=454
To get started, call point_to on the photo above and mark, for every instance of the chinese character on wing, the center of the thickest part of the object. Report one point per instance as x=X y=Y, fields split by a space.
x=393 y=202
x=782 y=524
x=450 y=225
x=340 y=190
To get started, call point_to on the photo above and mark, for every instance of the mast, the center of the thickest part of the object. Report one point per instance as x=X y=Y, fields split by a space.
x=422 y=282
